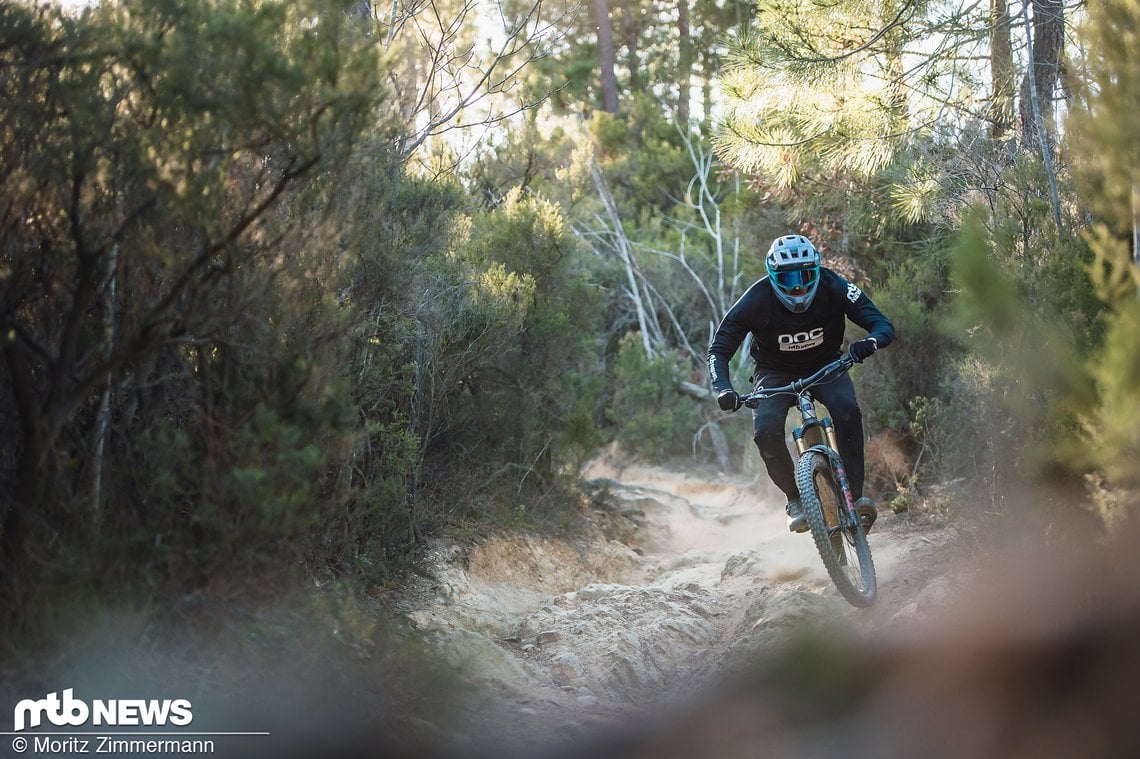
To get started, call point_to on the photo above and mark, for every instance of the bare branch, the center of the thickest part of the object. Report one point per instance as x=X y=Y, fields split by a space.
x=456 y=80
x=622 y=247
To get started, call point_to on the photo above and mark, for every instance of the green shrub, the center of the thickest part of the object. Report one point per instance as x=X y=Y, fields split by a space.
x=525 y=384
x=1011 y=398
x=1107 y=446
x=914 y=299
x=651 y=418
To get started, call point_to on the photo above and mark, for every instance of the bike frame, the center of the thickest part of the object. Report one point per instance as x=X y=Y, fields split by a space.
x=834 y=523
x=841 y=475
x=814 y=434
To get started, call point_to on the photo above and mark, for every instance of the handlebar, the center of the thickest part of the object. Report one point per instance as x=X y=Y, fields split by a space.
x=836 y=367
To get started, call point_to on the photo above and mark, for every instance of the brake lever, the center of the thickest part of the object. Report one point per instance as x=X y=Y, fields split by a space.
x=755 y=397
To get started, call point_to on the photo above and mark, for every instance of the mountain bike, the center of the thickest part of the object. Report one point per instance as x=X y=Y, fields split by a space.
x=839 y=534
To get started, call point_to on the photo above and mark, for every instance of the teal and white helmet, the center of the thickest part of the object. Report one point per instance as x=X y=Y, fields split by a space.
x=793 y=267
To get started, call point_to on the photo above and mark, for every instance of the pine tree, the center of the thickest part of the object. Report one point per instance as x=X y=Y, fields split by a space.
x=819 y=88
x=1104 y=135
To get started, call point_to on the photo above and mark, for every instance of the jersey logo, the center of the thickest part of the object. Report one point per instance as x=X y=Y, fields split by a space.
x=801 y=341
x=853 y=293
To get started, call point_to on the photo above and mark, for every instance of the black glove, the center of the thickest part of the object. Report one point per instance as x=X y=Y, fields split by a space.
x=729 y=400
x=861 y=349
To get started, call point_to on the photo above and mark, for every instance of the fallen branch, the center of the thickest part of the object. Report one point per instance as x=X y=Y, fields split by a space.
x=695 y=391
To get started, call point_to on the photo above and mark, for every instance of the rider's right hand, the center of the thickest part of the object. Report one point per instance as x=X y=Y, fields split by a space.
x=729 y=400
x=862 y=349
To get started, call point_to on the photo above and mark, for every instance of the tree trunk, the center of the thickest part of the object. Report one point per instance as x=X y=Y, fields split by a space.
x=631 y=30
x=1002 y=71
x=1037 y=90
x=706 y=96
x=684 y=63
x=893 y=53
x=1040 y=82
x=606 y=55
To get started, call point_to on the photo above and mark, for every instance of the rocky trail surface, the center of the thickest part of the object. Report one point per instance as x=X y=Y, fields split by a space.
x=683 y=580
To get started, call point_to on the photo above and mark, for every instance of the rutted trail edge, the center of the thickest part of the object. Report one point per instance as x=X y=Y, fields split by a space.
x=681 y=578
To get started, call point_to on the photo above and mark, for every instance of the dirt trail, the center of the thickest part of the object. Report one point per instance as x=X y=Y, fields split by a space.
x=683 y=578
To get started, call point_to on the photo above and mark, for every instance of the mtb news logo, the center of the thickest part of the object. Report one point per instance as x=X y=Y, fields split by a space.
x=72 y=712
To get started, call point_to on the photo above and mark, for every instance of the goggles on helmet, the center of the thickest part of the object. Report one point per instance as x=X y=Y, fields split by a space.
x=795 y=281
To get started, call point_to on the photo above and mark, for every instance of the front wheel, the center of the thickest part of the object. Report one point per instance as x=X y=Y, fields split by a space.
x=838 y=533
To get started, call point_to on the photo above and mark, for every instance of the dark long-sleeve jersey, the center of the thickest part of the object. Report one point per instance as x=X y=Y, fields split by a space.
x=788 y=342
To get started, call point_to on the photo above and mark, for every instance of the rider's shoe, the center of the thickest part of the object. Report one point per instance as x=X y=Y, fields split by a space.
x=867 y=512
x=797 y=521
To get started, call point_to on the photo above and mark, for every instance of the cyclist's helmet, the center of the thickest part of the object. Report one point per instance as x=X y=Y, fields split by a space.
x=793 y=267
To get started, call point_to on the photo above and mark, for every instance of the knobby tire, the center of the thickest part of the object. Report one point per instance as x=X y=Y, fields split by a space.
x=845 y=553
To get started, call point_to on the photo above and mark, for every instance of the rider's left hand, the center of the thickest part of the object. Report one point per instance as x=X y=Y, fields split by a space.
x=861 y=349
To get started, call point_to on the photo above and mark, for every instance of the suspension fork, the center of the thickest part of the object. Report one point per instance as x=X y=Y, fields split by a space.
x=840 y=472
x=826 y=443
x=844 y=485
x=812 y=431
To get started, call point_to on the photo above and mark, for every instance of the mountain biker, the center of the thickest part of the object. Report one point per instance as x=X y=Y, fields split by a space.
x=796 y=317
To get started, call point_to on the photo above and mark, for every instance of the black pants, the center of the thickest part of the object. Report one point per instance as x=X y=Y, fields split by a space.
x=770 y=416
